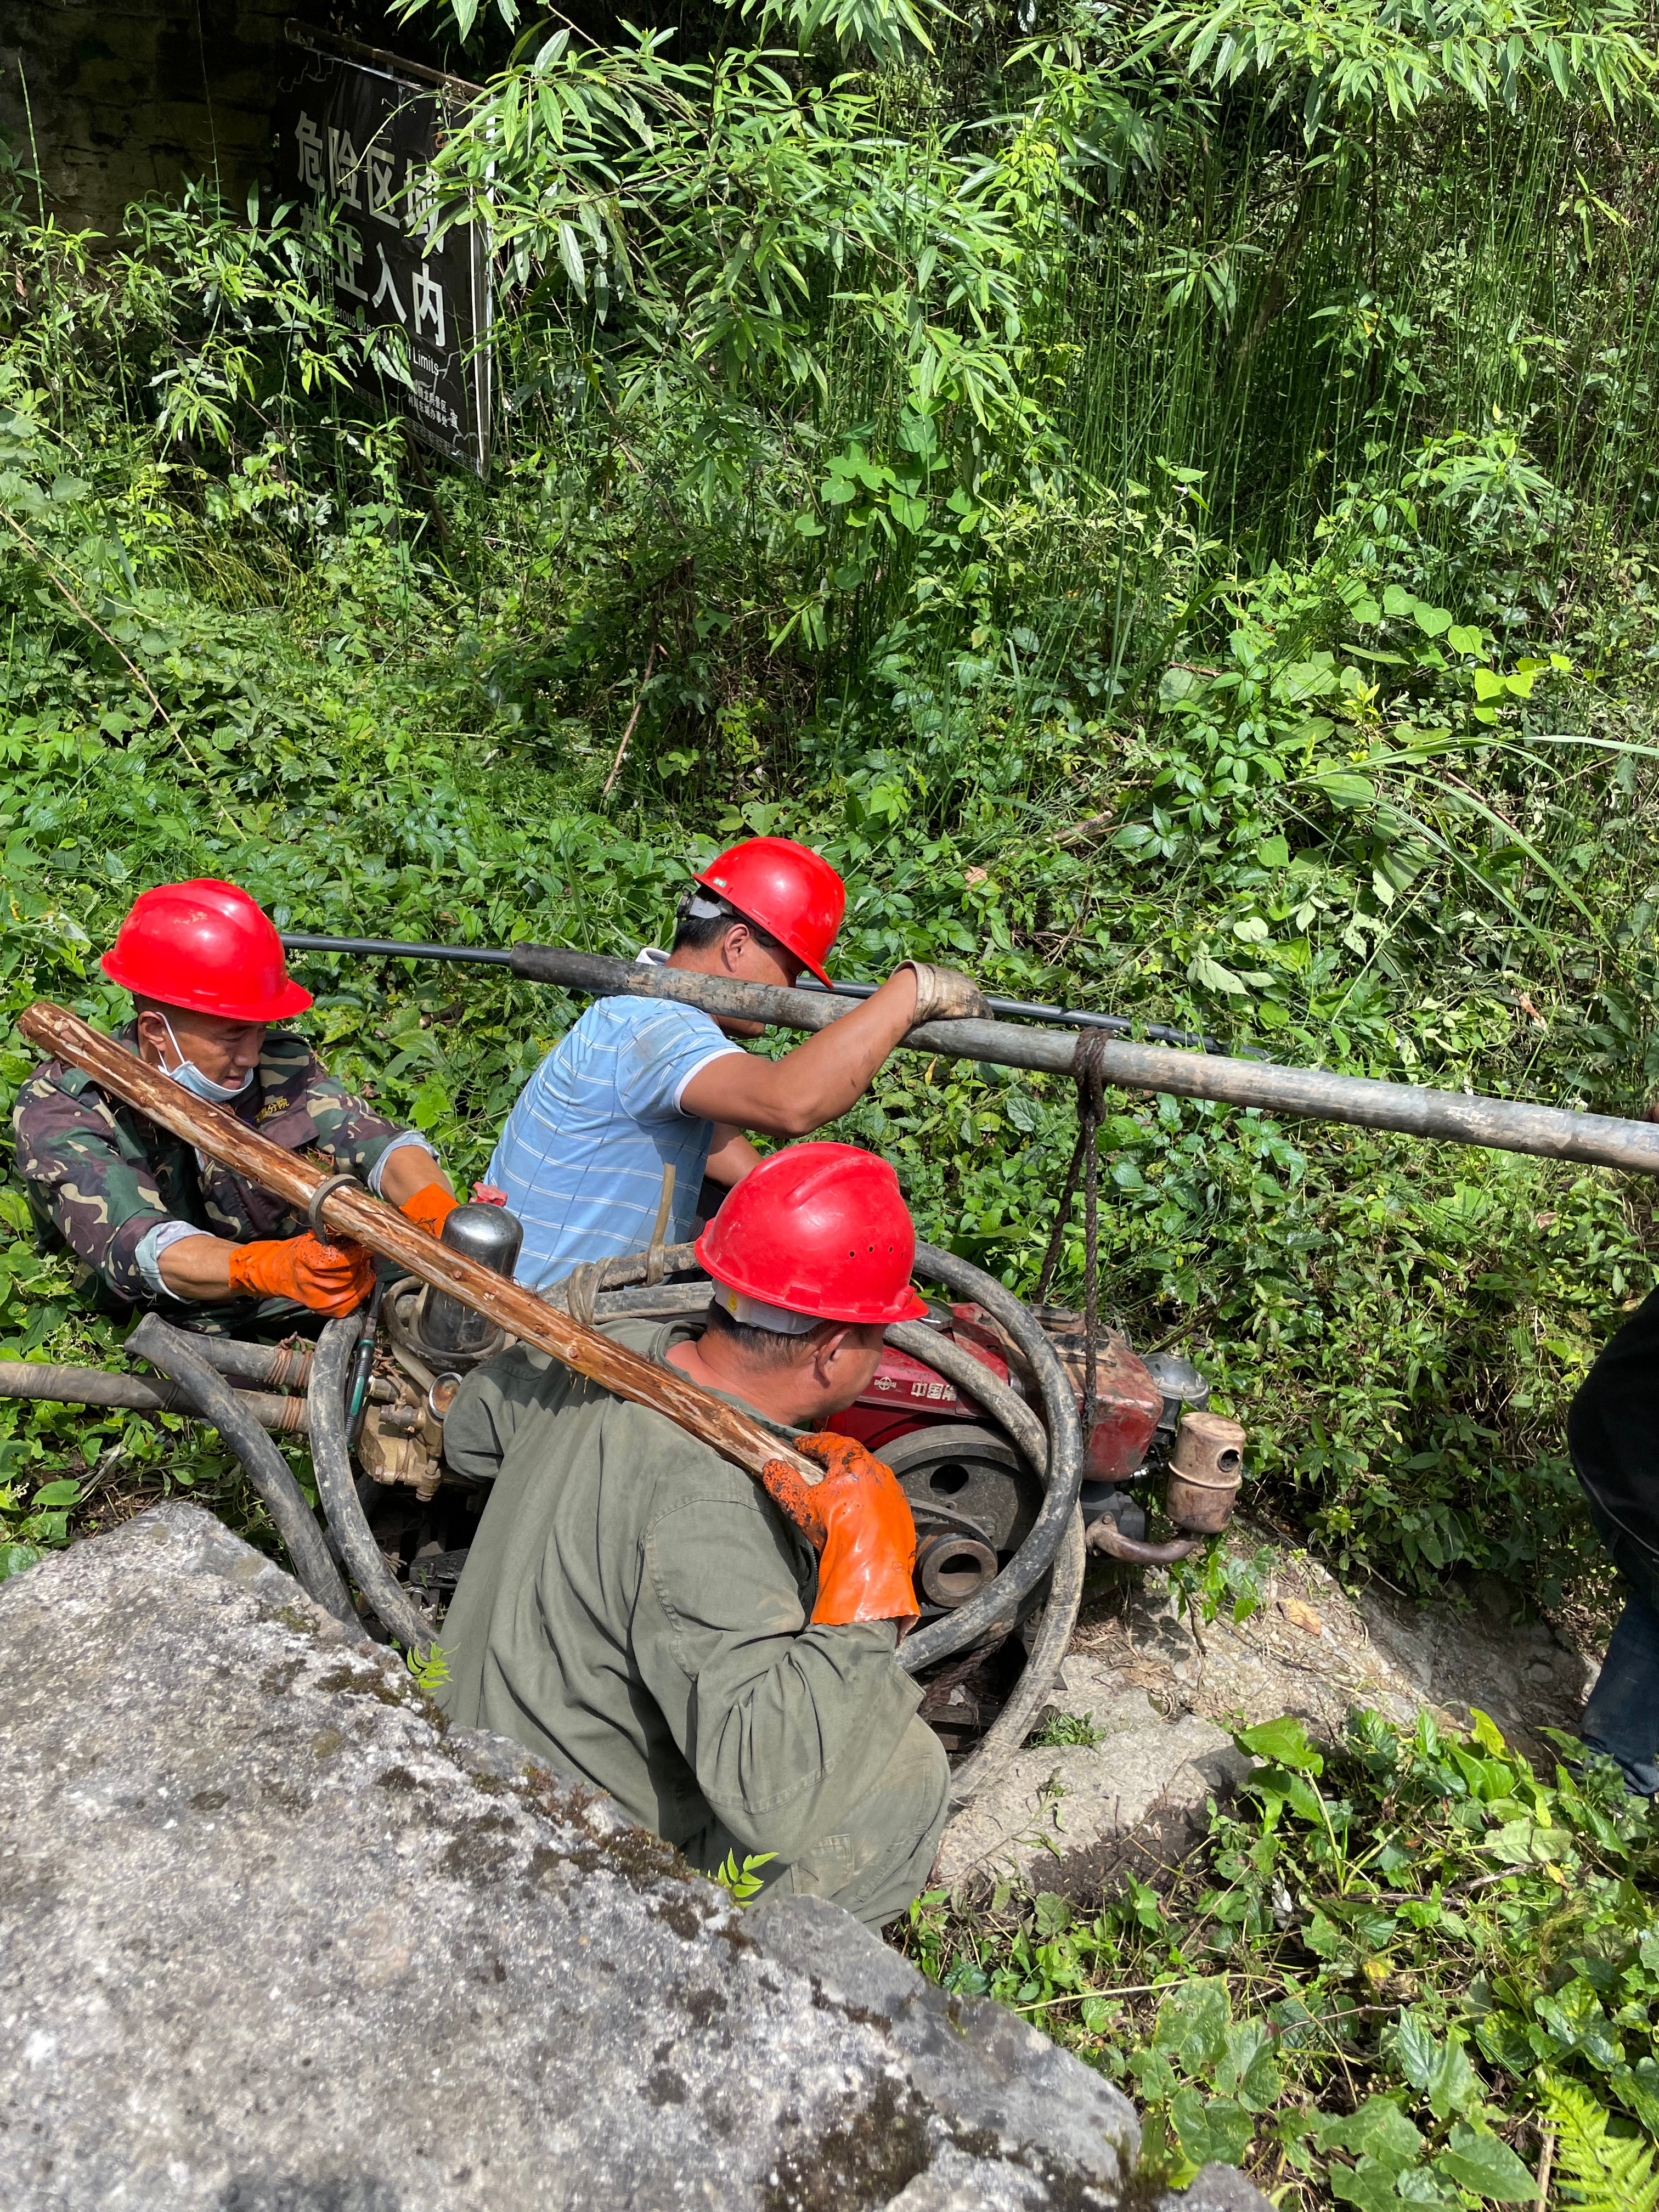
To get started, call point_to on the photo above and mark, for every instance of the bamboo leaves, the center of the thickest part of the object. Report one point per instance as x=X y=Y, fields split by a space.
x=1404 y=55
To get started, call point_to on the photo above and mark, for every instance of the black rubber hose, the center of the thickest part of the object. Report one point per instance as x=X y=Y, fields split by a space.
x=179 y=1358
x=999 y=1601
x=403 y=1619
x=1009 y=1730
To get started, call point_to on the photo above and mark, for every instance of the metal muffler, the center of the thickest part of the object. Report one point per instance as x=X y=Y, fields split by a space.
x=1206 y=1465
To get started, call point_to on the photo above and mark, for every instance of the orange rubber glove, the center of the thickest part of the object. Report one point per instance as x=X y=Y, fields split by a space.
x=858 y=1520
x=430 y=1208
x=330 y=1279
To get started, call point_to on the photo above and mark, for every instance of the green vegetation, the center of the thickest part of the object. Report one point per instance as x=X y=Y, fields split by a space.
x=1166 y=502
x=1391 y=1970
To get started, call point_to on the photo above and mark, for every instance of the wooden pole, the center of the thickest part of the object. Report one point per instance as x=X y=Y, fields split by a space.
x=353 y=1212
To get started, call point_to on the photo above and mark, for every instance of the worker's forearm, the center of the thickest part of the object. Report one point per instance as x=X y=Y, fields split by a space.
x=816 y=1082
x=730 y=1157
x=198 y=1267
x=407 y=1169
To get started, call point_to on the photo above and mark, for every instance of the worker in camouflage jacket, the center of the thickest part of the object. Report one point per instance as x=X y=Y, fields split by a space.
x=151 y=1222
x=716 y=1651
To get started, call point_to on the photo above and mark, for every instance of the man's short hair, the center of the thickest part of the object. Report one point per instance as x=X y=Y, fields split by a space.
x=703 y=919
x=764 y=1347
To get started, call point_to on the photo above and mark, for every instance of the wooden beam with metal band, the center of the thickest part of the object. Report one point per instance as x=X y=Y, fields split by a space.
x=355 y=1213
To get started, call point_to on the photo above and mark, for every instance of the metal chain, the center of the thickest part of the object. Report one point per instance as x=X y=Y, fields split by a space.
x=1087 y=1074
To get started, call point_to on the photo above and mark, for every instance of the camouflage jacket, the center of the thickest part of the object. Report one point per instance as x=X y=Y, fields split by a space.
x=100 y=1176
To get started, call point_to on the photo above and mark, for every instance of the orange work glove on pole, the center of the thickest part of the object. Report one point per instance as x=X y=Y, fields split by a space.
x=858 y=1521
x=330 y=1279
x=430 y=1208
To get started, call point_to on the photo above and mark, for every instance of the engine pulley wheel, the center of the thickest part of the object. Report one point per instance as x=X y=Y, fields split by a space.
x=952 y=1568
x=971 y=1474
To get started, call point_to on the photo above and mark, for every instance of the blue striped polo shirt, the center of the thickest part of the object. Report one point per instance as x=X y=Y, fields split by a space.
x=582 y=1155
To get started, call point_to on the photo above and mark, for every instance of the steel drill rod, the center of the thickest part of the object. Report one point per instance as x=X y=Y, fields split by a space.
x=349 y=1211
x=96 y=1386
x=1507 y=1125
x=1021 y=1010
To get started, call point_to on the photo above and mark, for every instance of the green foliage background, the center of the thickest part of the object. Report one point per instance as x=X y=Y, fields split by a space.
x=1166 y=502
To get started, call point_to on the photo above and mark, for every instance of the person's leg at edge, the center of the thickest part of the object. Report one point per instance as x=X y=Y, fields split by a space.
x=880 y=1857
x=1621 y=1715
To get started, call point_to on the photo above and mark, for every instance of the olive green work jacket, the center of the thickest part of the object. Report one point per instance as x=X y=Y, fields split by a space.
x=636 y=1610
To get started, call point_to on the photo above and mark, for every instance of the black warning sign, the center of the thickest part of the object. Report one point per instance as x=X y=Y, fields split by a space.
x=356 y=143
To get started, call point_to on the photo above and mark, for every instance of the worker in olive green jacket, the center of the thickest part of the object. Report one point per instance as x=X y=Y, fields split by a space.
x=639 y=1612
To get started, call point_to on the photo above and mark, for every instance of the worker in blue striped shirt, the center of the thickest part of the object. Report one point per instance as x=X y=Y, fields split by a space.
x=641 y=1087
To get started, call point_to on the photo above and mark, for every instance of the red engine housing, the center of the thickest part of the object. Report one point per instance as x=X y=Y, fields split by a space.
x=905 y=1396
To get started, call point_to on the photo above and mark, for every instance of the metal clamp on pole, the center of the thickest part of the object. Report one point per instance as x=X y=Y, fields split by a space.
x=319 y=1198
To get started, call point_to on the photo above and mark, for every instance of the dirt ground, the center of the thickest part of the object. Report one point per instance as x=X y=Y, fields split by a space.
x=1161 y=1698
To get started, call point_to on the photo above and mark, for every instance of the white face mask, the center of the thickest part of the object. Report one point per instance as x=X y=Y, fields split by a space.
x=190 y=1077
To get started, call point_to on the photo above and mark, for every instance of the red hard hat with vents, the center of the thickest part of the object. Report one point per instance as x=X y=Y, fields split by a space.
x=207 y=946
x=821 y=1228
x=795 y=895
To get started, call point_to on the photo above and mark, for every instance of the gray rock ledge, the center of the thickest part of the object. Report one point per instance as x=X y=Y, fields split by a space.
x=277 y=1940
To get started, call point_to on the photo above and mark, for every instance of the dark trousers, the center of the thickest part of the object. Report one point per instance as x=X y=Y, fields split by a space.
x=1613 y=1432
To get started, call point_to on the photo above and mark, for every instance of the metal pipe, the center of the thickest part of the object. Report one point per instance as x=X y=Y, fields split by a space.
x=93 y=1386
x=1446 y=1116
x=1024 y=1010
x=1106 y=1536
x=1299 y=1093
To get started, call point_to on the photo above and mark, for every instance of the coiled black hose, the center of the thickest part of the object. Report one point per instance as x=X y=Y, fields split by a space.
x=331 y=1459
x=999 y=1601
x=177 y=1356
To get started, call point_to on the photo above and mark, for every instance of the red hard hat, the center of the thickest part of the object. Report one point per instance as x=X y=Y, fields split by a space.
x=794 y=895
x=821 y=1228
x=208 y=946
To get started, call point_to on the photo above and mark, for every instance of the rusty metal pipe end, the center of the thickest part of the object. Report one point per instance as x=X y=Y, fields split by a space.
x=1106 y=1536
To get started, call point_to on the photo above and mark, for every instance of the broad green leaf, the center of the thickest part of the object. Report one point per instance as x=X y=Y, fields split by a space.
x=1487 y=1732
x=1453 y=2085
x=1343 y=789
x=1480 y=2162
x=1214 y=977
x=1463 y=637
x=54 y=1495
x=1192 y=2022
x=1431 y=621
x=1370 y=2184
x=1398 y=601
x=1415 y=2050
x=16 y=1559
x=1380 y=2129
x=1249 y=2070
x=910 y=513
x=1211 y=2129
x=1487 y=684
x=1285 y=1741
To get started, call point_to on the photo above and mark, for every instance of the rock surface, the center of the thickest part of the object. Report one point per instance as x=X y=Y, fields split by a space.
x=1066 y=1818
x=278 y=1940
